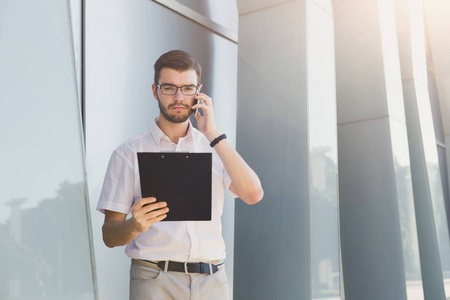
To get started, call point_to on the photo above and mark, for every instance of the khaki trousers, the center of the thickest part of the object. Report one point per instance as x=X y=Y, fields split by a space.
x=148 y=283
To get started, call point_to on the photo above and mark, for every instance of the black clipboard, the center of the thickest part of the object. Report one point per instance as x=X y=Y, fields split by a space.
x=183 y=180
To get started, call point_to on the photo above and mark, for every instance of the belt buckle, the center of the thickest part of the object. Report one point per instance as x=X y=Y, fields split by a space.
x=186 y=268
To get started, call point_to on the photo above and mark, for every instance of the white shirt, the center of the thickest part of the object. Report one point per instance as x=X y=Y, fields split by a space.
x=185 y=241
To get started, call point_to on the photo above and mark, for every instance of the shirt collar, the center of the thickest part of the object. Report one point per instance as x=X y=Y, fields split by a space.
x=157 y=133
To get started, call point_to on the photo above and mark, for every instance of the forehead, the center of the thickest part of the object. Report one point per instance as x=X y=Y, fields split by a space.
x=178 y=77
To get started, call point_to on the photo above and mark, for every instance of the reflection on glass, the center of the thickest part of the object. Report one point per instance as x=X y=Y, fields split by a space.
x=440 y=219
x=44 y=250
x=324 y=233
x=434 y=181
x=322 y=123
x=410 y=244
x=44 y=240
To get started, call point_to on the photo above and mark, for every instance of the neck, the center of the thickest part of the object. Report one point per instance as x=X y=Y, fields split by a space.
x=174 y=131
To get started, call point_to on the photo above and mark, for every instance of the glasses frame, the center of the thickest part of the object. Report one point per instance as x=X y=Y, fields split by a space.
x=178 y=87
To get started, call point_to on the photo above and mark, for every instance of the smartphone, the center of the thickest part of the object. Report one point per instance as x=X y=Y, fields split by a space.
x=196 y=110
x=198 y=101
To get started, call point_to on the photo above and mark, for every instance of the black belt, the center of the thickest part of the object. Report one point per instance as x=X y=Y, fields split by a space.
x=187 y=268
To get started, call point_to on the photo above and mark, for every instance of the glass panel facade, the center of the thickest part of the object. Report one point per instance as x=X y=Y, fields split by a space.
x=272 y=137
x=410 y=246
x=432 y=227
x=378 y=228
x=287 y=132
x=440 y=138
x=44 y=229
x=435 y=182
x=287 y=246
x=121 y=48
x=325 y=270
x=222 y=12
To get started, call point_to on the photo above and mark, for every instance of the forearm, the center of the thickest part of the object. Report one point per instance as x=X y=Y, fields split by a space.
x=118 y=233
x=244 y=180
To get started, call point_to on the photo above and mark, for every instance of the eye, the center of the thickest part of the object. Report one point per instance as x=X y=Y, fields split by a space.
x=189 y=88
x=168 y=88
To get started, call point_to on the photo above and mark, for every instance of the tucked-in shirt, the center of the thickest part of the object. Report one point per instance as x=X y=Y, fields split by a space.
x=185 y=241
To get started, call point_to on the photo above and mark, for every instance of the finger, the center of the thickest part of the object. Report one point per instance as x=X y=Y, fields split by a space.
x=158 y=219
x=144 y=223
x=154 y=206
x=141 y=212
x=198 y=115
x=145 y=201
x=156 y=213
x=199 y=101
x=205 y=98
x=204 y=107
x=201 y=95
x=145 y=216
x=201 y=114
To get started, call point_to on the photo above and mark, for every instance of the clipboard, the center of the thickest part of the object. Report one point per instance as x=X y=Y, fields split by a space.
x=181 y=179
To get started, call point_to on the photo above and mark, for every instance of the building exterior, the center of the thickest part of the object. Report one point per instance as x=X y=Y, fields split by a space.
x=341 y=107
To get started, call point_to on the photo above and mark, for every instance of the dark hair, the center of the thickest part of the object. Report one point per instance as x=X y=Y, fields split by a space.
x=178 y=60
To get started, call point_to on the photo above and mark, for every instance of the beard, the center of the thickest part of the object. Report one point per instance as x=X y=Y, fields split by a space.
x=177 y=117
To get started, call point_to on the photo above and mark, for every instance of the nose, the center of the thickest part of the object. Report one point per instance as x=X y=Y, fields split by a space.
x=178 y=95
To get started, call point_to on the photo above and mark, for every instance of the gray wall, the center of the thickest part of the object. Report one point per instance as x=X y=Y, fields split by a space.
x=427 y=185
x=123 y=40
x=286 y=247
x=272 y=137
x=378 y=234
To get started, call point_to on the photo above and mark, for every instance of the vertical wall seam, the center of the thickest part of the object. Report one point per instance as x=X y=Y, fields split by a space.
x=81 y=119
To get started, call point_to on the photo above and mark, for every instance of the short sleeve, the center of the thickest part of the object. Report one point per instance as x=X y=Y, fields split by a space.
x=117 y=190
x=227 y=182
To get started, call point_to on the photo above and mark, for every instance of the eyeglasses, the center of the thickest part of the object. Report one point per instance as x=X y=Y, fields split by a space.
x=170 y=89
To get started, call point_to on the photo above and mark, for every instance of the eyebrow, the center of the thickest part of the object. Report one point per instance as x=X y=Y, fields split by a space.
x=178 y=86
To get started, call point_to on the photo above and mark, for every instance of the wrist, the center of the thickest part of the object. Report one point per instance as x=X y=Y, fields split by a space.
x=133 y=226
x=218 y=140
x=212 y=135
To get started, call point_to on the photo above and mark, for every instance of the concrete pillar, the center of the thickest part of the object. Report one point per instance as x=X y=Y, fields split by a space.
x=428 y=194
x=378 y=237
x=286 y=247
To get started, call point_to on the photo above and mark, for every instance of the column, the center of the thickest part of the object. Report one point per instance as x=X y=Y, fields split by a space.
x=428 y=193
x=378 y=238
x=286 y=246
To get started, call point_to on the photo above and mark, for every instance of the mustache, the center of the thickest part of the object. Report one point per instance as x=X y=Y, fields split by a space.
x=178 y=104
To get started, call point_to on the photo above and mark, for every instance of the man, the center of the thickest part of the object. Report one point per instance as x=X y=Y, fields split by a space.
x=177 y=259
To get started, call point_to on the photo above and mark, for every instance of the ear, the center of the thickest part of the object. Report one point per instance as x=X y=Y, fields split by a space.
x=155 y=91
x=199 y=87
